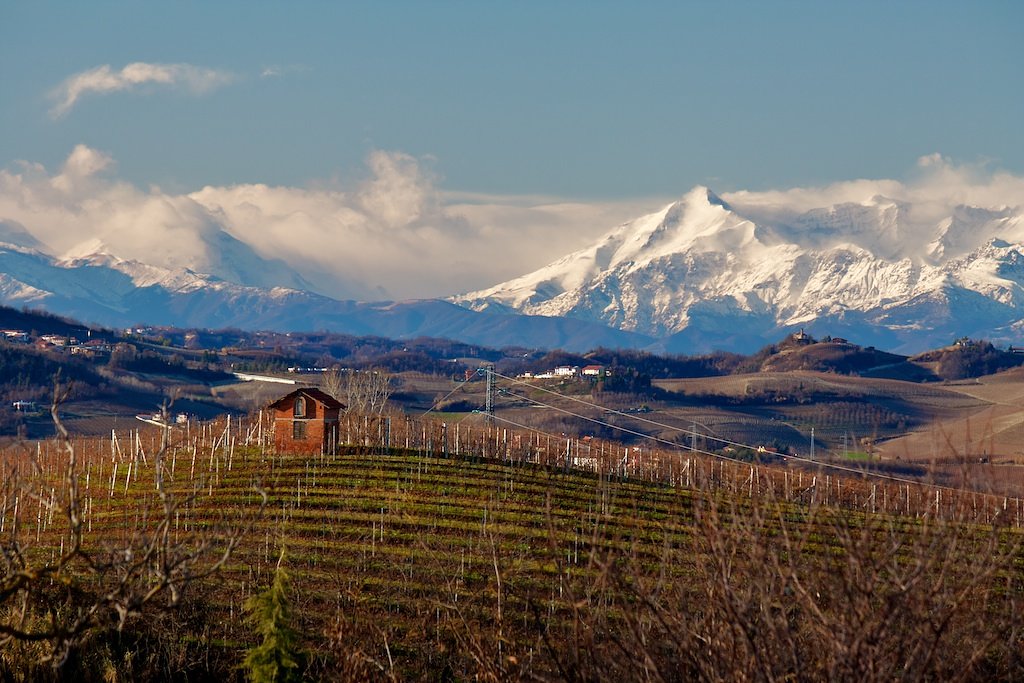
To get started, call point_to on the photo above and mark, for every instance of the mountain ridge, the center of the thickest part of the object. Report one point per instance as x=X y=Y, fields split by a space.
x=706 y=272
x=700 y=266
x=119 y=293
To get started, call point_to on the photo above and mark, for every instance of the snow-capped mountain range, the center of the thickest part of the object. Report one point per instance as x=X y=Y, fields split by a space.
x=702 y=273
x=101 y=288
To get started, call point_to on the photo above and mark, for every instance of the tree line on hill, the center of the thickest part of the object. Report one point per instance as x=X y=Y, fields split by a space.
x=629 y=371
x=969 y=358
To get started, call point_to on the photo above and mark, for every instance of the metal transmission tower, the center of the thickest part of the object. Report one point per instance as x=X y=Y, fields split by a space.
x=489 y=376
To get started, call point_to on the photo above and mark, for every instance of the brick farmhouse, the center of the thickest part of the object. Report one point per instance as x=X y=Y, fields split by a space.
x=306 y=421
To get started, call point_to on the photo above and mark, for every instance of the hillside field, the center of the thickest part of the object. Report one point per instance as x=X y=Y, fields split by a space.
x=962 y=433
x=420 y=564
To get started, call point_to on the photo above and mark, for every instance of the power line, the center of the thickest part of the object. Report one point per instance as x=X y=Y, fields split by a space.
x=588 y=403
x=798 y=458
x=818 y=463
x=445 y=398
x=629 y=431
x=632 y=416
x=608 y=424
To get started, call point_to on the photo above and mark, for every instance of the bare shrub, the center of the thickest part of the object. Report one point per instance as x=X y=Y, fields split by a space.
x=63 y=586
x=765 y=591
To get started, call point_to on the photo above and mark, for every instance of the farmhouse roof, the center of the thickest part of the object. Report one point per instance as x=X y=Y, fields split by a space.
x=316 y=394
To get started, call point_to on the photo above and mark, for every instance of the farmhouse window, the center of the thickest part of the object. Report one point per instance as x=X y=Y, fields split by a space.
x=298 y=430
x=300 y=407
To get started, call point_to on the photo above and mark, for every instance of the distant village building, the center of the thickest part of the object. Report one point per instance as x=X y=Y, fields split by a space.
x=563 y=371
x=92 y=348
x=802 y=337
x=306 y=421
x=57 y=340
x=54 y=342
x=139 y=331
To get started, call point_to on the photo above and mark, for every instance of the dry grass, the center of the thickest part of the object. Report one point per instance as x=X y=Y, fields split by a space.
x=994 y=433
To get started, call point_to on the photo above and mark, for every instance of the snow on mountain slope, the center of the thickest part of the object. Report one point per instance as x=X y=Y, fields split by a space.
x=213 y=252
x=92 y=288
x=701 y=266
x=12 y=232
x=115 y=292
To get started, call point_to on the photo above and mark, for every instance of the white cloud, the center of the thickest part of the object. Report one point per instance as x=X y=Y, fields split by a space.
x=82 y=164
x=397 y=234
x=934 y=159
x=80 y=207
x=278 y=70
x=390 y=234
x=927 y=199
x=937 y=185
x=102 y=79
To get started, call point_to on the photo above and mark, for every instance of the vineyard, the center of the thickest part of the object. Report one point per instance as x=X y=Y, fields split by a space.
x=433 y=550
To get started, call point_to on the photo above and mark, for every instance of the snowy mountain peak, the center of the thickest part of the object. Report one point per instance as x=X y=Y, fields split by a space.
x=702 y=267
x=15 y=234
x=699 y=218
x=93 y=247
x=213 y=253
x=702 y=195
x=713 y=198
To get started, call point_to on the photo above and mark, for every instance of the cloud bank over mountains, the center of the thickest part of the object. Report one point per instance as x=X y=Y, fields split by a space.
x=394 y=233
x=934 y=187
x=390 y=234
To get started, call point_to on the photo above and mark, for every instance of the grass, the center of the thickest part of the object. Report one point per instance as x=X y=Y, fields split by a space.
x=859 y=456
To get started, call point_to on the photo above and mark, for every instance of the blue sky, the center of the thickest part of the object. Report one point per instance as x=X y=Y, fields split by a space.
x=588 y=100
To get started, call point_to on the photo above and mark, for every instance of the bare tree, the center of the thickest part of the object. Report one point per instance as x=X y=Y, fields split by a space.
x=57 y=599
x=333 y=382
x=361 y=391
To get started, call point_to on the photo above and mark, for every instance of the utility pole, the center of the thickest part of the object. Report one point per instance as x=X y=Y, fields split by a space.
x=812 y=443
